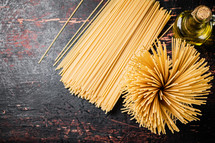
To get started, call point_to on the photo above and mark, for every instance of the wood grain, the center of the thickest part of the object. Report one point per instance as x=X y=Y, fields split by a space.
x=35 y=106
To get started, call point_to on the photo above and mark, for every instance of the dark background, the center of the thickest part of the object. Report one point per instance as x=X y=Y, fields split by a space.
x=35 y=106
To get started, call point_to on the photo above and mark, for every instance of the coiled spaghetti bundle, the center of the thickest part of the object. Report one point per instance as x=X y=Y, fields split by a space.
x=161 y=90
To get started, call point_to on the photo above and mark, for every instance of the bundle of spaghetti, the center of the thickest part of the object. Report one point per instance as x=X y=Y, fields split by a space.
x=161 y=91
x=93 y=67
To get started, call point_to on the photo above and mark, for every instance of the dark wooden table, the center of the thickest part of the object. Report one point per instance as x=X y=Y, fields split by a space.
x=35 y=106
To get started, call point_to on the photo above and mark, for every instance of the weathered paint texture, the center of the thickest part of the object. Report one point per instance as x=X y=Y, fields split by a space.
x=35 y=106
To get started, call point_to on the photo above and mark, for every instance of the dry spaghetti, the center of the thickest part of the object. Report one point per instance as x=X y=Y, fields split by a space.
x=161 y=91
x=93 y=68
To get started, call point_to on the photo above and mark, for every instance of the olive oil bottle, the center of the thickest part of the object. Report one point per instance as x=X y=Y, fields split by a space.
x=194 y=26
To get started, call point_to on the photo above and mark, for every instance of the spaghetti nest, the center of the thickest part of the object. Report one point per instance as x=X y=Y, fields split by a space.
x=161 y=90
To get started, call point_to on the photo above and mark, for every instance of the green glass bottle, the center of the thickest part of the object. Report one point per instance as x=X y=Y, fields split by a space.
x=194 y=26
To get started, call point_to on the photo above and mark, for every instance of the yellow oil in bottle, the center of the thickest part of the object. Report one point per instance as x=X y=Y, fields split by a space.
x=194 y=26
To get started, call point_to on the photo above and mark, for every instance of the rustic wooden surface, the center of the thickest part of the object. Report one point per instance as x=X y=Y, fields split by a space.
x=35 y=106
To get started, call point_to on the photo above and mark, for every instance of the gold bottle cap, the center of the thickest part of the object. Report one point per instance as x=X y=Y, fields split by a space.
x=202 y=13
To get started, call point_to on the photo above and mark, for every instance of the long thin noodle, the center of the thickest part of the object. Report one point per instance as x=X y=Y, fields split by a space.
x=64 y=51
x=93 y=68
x=79 y=29
x=161 y=91
x=61 y=31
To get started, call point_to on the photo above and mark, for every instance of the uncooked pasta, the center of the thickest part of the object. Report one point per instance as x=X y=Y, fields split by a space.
x=61 y=31
x=160 y=91
x=93 y=68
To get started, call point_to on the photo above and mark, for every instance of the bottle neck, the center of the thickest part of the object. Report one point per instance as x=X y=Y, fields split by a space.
x=194 y=22
x=200 y=16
